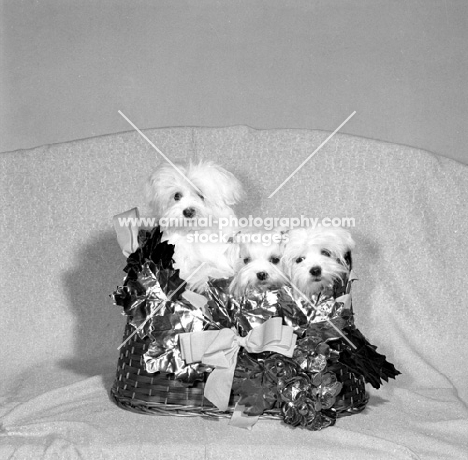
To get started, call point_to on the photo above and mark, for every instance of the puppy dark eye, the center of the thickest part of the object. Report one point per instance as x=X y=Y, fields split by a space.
x=325 y=253
x=246 y=260
x=201 y=197
x=274 y=260
x=177 y=196
x=299 y=260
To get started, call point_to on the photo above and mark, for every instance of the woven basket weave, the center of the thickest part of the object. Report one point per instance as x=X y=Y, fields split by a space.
x=136 y=390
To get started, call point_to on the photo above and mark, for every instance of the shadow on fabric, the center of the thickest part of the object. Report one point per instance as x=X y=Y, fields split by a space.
x=99 y=324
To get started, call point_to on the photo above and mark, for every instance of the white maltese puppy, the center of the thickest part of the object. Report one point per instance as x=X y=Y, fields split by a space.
x=314 y=258
x=197 y=191
x=257 y=262
x=188 y=201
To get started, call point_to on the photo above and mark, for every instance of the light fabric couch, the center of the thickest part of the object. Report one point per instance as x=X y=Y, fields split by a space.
x=60 y=261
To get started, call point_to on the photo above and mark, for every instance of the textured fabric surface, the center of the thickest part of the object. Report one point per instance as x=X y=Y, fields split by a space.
x=60 y=260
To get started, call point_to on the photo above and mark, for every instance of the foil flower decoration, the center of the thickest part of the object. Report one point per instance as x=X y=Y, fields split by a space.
x=327 y=389
x=302 y=404
x=257 y=392
x=312 y=354
x=304 y=399
x=299 y=406
x=259 y=381
x=279 y=369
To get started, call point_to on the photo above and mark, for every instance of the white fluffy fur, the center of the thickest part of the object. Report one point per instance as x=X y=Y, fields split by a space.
x=217 y=191
x=307 y=250
x=258 y=264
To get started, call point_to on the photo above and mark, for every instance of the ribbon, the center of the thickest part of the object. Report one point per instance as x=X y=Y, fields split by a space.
x=219 y=349
x=241 y=420
x=197 y=300
x=125 y=225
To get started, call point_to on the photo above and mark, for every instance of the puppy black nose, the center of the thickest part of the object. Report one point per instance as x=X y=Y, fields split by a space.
x=315 y=271
x=262 y=276
x=189 y=212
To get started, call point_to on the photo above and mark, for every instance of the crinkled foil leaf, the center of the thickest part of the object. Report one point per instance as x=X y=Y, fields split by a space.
x=313 y=318
x=254 y=309
x=365 y=360
x=164 y=354
x=140 y=297
x=244 y=313
x=151 y=280
x=221 y=305
x=157 y=255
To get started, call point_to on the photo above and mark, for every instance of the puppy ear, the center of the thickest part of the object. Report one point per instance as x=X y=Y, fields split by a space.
x=232 y=254
x=234 y=287
x=286 y=267
x=237 y=288
x=348 y=244
x=152 y=192
x=159 y=186
x=290 y=247
x=341 y=237
x=293 y=241
x=298 y=234
x=284 y=235
x=348 y=258
x=234 y=192
x=229 y=189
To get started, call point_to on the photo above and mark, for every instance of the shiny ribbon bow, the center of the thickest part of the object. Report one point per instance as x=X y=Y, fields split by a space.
x=220 y=348
x=126 y=228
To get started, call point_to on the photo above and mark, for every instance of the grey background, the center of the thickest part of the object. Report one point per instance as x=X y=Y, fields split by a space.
x=69 y=66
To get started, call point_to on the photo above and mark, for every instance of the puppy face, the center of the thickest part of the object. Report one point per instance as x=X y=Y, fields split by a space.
x=315 y=258
x=172 y=196
x=258 y=265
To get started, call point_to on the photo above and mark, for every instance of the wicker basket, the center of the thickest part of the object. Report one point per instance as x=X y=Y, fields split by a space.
x=136 y=390
x=296 y=398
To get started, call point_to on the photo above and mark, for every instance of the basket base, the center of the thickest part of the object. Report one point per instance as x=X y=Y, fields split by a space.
x=138 y=391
